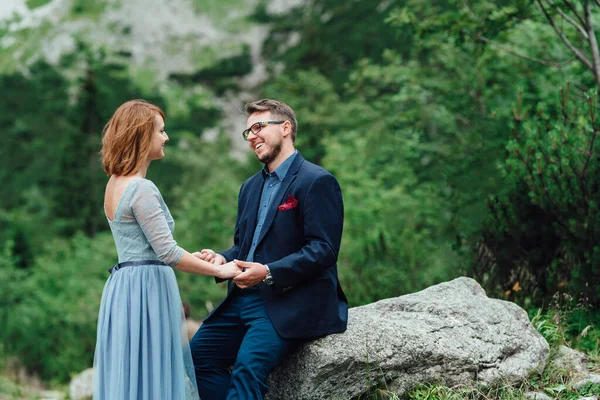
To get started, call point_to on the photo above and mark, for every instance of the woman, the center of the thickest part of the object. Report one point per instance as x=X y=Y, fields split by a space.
x=141 y=350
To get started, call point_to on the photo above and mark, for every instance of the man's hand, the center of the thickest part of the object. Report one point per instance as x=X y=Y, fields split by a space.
x=210 y=256
x=253 y=274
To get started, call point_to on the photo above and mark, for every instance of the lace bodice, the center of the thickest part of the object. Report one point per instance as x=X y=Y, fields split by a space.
x=143 y=226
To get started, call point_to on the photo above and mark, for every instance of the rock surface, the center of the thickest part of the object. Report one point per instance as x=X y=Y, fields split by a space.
x=450 y=333
x=573 y=361
x=82 y=386
x=185 y=36
x=537 y=396
x=591 y=378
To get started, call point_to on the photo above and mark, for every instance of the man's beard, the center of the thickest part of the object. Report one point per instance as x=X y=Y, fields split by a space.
x=272 y=155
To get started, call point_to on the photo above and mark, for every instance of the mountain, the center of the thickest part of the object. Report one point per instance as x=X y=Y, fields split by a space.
x=208 y=49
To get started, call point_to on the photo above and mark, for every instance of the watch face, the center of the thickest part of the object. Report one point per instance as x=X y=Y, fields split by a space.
x=269 y=278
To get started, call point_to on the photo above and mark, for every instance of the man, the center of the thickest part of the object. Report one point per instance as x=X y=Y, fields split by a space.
x=287 y=240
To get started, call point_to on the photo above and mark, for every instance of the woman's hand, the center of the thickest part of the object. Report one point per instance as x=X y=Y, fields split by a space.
x=207 y=255
x=229 y=270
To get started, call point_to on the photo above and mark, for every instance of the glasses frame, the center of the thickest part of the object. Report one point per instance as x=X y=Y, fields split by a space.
x=260 y=124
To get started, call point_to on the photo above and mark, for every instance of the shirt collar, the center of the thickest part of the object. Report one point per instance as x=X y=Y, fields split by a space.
x=281 y=171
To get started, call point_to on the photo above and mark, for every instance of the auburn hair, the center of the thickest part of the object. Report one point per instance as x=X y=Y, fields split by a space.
x=127 y=136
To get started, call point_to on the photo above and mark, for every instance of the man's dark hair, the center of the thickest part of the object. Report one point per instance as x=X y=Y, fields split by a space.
x=278 y=109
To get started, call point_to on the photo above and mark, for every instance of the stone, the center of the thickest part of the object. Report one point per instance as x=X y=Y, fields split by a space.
x=82 y=385
x=572 y=361
x=450 y=333
x=51 y=395
x=591 y=378
x=537 y=396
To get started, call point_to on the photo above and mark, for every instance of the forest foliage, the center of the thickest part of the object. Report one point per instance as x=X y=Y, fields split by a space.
x=464 y=137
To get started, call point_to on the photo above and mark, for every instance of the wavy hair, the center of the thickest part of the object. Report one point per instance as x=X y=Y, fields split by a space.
x=126 y=137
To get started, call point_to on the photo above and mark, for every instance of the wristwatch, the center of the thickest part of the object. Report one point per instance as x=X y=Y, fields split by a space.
x=269 y=278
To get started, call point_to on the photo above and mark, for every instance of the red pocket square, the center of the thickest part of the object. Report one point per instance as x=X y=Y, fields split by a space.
x=289 y=204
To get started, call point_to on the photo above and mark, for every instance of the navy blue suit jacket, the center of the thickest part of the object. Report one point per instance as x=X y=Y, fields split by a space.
x=301 y=246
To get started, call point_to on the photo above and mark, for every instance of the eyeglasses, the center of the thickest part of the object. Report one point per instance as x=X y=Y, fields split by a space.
x=257 y=126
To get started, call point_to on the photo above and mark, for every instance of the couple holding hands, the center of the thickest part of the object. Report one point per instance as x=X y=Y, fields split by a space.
x=283 y=287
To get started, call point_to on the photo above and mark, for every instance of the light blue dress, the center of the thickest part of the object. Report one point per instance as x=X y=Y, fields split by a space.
x=142 y=350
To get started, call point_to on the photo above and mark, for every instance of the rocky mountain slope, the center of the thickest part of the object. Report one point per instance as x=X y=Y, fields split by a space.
x=161 y=39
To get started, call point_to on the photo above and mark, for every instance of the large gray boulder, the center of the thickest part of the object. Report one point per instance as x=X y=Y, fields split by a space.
x=450 y=333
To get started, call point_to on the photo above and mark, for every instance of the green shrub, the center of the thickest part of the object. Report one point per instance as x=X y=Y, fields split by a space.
x=49 y=311
x=542 y=238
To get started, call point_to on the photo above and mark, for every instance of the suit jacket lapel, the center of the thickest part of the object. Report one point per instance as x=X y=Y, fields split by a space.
x=252 y=207
x=278 y=198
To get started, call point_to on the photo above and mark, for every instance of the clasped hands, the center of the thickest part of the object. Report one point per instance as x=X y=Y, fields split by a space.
x=245 y=274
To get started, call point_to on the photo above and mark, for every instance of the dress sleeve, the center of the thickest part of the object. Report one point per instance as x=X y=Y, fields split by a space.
x=147 y=210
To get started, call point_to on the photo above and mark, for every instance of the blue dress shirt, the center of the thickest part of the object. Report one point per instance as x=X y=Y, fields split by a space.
x=270 y=187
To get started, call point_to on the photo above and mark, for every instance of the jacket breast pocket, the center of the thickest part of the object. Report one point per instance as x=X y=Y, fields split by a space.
x=288 y=219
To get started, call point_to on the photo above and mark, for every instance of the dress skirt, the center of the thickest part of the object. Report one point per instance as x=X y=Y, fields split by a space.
x=142 y=350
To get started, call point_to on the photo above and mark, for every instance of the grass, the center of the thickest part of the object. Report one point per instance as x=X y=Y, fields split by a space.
x=553 y=382
x=500 y=392
x=9 y=390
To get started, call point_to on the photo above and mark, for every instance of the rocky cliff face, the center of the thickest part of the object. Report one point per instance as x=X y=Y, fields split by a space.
x=160 y=38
